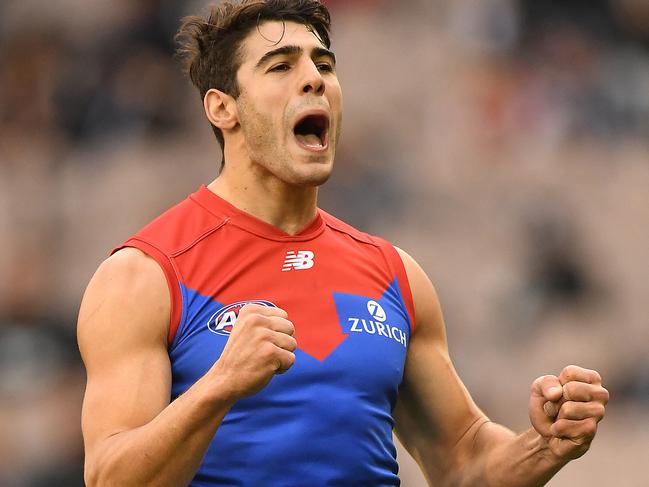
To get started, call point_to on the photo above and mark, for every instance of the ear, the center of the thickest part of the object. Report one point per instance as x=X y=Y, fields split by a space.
x=220 y=109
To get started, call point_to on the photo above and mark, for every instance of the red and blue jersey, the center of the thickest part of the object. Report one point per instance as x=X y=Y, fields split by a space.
x=328 y=420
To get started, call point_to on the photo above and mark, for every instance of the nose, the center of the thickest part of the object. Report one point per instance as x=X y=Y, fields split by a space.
x=312 y=82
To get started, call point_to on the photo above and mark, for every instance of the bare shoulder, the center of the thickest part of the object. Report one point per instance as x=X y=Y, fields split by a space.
x=126 y=300
x=428 y=312
x=122 y=334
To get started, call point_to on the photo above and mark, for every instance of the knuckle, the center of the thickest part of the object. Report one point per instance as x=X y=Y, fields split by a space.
x=536 y=385
x=576 y=442
x=267 y=350
x=291 y=328
x=249 y=308
x=584 y=442
x=261 y=319
x=274 y=311
x=590 y=427
x=569 y=371
x=263 y=334
x=540 y=381
x=570 y=390
x=547 y=378
x=276 y=366
x=604 y=395
x=262 y=322
x=568 y=409
x=249 y=319
x=284 y=325
x=241 y=321
x=560 y=427
x=290 y=359
x=285 y=361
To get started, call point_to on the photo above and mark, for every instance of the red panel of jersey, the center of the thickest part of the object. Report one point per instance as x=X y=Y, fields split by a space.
x=327 y=421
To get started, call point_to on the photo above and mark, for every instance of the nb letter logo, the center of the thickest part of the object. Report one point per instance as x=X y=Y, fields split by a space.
x=302 y=259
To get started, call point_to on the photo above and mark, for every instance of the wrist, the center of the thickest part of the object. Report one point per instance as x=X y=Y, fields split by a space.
x=218 y=389
x=540 y=447
x=526 y=460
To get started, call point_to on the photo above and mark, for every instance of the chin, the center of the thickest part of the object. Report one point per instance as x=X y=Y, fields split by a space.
x=313 y=179
x=315 y=174
x=309 y=169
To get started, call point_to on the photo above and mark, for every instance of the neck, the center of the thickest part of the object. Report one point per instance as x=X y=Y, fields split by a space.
x=289 y=208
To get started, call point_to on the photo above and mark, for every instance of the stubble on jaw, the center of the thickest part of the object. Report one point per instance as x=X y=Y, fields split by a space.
x=267 y=148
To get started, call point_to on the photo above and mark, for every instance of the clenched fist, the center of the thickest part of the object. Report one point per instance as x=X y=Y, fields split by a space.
x=261 y=345
x=565 y=410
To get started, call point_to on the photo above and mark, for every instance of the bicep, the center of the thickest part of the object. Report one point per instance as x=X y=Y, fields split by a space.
x=122 y=328
x=434 y=410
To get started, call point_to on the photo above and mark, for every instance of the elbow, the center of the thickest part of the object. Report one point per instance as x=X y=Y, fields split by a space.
x=102 y=465
x=97 y=473
x=94 y=476
x=113 y=470
x=91 y=474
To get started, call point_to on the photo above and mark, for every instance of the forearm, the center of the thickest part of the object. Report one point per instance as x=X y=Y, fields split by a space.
x=168 y=450
x=499 y=458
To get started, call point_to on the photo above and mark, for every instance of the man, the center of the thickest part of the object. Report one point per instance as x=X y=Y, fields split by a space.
x=246 y=337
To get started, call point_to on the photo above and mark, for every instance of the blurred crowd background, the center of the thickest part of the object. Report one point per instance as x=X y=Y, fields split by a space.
x=503 y=143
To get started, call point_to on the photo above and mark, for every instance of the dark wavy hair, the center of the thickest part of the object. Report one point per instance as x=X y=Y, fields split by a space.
x=210 y=48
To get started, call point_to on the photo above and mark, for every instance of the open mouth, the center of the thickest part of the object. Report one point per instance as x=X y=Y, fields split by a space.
x=312 y=131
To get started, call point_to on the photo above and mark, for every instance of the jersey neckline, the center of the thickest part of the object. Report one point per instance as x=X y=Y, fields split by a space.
x=222 y=208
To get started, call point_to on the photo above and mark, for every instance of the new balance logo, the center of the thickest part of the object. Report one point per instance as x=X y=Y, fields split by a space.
x=302 y=259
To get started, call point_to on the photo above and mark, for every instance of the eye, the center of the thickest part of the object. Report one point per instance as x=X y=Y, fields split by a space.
x=280 y=67
x=325 y=67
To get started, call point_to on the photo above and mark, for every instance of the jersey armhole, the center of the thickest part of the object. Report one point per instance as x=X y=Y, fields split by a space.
x=394 y=260
x=172 y=281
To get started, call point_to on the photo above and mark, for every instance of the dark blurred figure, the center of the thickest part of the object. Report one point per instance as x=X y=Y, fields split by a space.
x=41 y=383
x=127 y=84
x=592 y=56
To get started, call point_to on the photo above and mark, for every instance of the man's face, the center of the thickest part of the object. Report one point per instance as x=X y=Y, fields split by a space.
x=290 y=106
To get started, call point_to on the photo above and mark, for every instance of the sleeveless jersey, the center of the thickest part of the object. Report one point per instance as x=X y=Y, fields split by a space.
x=328 y=420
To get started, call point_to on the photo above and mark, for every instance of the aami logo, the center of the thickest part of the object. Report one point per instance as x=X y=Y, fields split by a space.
x=223 y=320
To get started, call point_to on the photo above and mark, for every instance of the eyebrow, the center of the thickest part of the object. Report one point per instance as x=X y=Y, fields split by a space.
x=295 y=50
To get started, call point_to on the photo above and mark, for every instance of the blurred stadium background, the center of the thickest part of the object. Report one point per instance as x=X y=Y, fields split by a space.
x=503 y=143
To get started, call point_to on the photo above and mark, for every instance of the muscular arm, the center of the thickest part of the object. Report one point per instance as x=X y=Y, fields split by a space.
x=133 y=435
x=454 y=442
